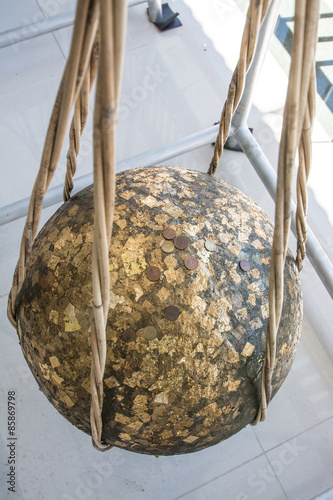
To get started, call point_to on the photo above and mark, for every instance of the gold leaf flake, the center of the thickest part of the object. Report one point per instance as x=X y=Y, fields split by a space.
x=86 y=384
x=54 y=361
x=113 y=278
x=163 y=294
x=231 y=384
x=71 y=323
x=67 y=400
x=127 y=194
x=149 y=307
x=233 y=356
x=121 y=223
x=115 y=300
x=113 y=266
x=138 y=293
x=285 y=349
x=173 y=210
x=255 y=273
x=265 y=310
x=254 y=287
x=167 y=434
x=252 y=299
x=56 y=379
x=234 y=275
x=54 y=316
x=161 y=398
x=161 y=218
x=234 y=248
x=122 y=419
x=207 y=322
x=111 y=382
x=45 y=370
x=135 y=425
x=190 y=439
x=125 y=437
x=170 y=261
x=256 y=323
x=243 y=312
x=197 y=303
x=257 y=244
x=193 y=229
x=248 y=349
x=70 y=312
x=151 y=201
x=134 y=262
x=140 y=401
x=243 y=236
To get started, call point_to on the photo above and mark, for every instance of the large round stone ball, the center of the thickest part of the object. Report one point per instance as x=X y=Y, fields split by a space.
x=189 y=273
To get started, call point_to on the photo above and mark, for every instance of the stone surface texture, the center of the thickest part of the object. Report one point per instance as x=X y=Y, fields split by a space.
x=171 y=386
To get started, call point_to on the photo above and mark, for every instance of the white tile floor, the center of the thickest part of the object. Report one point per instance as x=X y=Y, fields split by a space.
x=290 y=456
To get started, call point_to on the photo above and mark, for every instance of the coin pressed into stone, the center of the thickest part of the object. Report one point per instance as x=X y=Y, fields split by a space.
x=210 y=245
x=169 y=233
x=181 y=242
x=149 y=333
x=171 y=313
x=168 y=247
x=191 y=262
x=153 y=273
x=245 y=265
x=129 y=335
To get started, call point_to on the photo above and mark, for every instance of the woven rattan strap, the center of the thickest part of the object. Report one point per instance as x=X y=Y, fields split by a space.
x=79 y=120
x=84 y=35
x=255 y=16
x=74 y=88
x=296 y=134
x=112 y=29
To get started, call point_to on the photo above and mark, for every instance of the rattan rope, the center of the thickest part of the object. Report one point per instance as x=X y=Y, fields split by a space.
x=84 y=34
x=79 y=120
x=304 y=154
x=295 y=116
x=112 y=30
x=255 y=16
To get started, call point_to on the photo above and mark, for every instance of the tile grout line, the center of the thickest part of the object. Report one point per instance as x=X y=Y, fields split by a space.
x=255 y=457
x=255 y=434
x=278 y=480
x=265 y=454
x=299 y=434
x=59 y=46
x=221 y=475
x=54 y=37
x=322 y=142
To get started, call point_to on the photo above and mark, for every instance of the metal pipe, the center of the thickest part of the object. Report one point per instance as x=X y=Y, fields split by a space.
x=155 y=11
x=156 y=156
x=47 y=25
x=131 y=3
x=32 y=30
x=260 y=163
x=267 y=29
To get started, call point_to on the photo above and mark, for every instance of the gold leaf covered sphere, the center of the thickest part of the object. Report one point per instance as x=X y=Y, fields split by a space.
x=189 y=273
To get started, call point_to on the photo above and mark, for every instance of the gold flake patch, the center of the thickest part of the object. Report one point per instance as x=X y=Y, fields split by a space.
x=248 y=349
